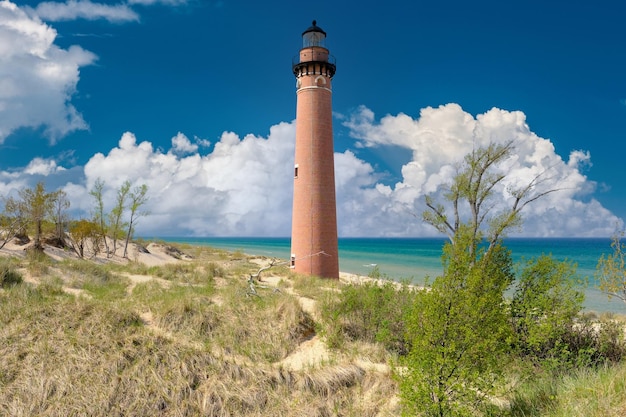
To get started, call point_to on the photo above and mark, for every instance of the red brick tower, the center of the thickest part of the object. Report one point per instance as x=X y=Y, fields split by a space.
x=314 y=219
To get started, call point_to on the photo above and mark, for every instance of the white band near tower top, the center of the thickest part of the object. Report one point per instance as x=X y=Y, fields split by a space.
x=310 y=87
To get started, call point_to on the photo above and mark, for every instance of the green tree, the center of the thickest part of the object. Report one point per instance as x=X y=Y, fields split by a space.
x=611 y=270
x=61 y=204
x=8 y=228
x=15 y=221
x=82 y=233
x=459 y=330
x=99 y=216
x=458 y=333
x=115 y=217
x=36 y=204
x=474 y=184
x=138 y=197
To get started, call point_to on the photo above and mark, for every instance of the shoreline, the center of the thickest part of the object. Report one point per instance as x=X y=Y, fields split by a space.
x=414 y=259
x=595 y=301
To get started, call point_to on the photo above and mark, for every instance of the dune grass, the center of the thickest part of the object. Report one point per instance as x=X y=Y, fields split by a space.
x=179 y=346
x=587 y=392
x=190 y=342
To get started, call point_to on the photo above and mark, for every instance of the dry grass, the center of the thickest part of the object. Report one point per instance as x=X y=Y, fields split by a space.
x=189 y=342
x=167 y=350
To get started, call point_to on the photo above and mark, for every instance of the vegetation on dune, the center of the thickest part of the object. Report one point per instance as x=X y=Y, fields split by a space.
x=466 y=342
x=202 y=336
x=188 y=342
x=42 y=215
x=611 y=270
x=8 y=273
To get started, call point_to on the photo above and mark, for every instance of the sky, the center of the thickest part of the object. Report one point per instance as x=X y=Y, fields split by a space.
x=196 y=99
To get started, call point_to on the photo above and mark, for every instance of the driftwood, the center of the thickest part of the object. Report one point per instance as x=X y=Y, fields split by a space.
x=251 y=291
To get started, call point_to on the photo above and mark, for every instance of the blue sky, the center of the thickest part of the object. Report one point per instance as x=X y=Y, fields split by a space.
x=197 y=100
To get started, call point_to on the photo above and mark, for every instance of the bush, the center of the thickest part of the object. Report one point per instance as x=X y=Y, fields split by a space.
x=595 y=341
x=458 y=331
x=8 y=275
x=544 y=310
x=611 y=341
x=368 y=312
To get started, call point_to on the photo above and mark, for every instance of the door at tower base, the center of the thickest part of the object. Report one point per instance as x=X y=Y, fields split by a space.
x=314 y=248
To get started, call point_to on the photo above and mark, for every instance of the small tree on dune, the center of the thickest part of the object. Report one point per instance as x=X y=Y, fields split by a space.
x=83 y=233
x=35 y=204
x=115 y=217
x=611 y=270
x=61 y=205
x=138 y=197
x=459 y=330
x=99 y=216
x=12 y=221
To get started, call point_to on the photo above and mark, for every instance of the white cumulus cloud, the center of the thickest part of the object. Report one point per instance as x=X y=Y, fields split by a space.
x=182 y=145
x=85 y=9
x=37 y=78
x=43 y=167
x=440 y=138
x=244 y=185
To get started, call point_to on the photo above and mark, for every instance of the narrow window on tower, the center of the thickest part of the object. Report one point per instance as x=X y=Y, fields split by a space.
x=295 y=171
x=293 y=260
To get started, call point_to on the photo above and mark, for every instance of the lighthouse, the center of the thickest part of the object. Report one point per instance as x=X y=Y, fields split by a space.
x=314 y=249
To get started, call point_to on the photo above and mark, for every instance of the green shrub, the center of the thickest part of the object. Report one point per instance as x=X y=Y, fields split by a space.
x=458 y=332
x=595 y=341
x=544 y=310
x=8 y=274
x=368 y=312
x=611 y=341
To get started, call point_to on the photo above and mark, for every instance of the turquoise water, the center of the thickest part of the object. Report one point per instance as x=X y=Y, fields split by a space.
x=417 y=258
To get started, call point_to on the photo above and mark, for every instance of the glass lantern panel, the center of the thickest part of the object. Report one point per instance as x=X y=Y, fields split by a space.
x=313 y=39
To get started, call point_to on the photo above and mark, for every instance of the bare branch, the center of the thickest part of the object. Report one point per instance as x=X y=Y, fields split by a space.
x=254 y=278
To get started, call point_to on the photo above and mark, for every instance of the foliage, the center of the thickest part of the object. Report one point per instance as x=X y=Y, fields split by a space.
x=84 y=233
x=115 y=217
x=14 y=221
x=611 y=270
x=138 y=197
x=59 y=214
x=474 y=184
x=458 y=332
x=34 y=206
x=99 y=217
x=8 y=274
x=610 y=338
x=375 y=273
x=544 y=309
x=592 y=342
x=8 y=229
x=368 y=312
